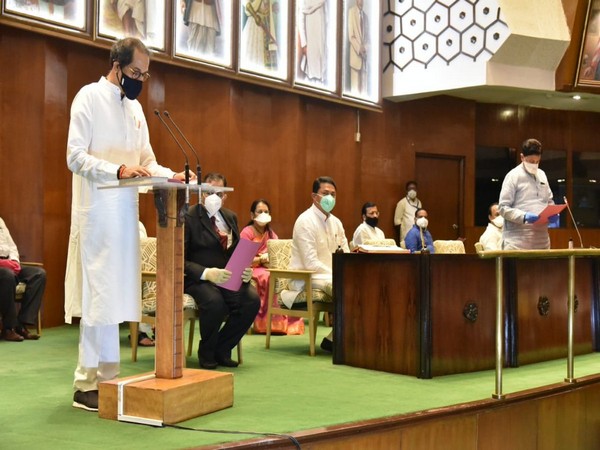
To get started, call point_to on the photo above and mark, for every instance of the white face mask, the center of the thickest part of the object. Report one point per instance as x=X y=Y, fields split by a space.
x=262 y=219
x=412 y=194
x=531 y=167
x=422 y=222
x=498 y=221
x=212 y=203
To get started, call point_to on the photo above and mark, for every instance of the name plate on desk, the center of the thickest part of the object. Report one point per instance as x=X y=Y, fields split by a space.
x=381 y=249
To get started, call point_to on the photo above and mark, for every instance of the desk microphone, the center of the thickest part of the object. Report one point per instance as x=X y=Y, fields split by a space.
x=198 y=170
x=574 y=221
x=187 y=164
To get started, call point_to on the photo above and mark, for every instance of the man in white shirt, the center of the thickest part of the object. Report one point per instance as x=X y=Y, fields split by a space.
x=491 y=239
x=525 y=194
x=317 y=234
x=108 y=140
x=368 y=230
x=404 y=216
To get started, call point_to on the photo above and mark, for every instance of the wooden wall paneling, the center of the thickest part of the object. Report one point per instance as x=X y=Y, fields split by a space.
x=454 y=433
x=57 y=179
x=583 y=125
x=513 y=427
x=592 y=417
x=497 y=125
x=562 y=422
x=289 y=194
x=456 y=281
x=22 y=145
x=382 y=172
x=381 y=333
x=550 y=127
x=330 y=150
x=544 y=337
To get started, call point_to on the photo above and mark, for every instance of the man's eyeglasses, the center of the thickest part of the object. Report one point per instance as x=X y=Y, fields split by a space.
x=326 y=193
x=137 y=75
x=220 y=194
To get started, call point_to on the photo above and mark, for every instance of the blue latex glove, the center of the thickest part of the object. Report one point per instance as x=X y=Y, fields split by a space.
x=530 y=217
x=554 y=219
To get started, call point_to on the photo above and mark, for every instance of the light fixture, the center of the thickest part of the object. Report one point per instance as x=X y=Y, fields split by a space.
x=577 y=97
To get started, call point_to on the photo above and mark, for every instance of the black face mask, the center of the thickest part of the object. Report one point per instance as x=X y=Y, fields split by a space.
x=131 y=87
x=372 y=221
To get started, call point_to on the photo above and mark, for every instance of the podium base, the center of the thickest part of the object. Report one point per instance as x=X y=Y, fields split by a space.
x=156 y=401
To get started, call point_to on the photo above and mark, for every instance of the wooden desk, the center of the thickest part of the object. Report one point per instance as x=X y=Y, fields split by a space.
x=431 y=315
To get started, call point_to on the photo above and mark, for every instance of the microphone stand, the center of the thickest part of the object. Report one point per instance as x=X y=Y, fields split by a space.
x=187 y=164
x=198 y=170
x=574 y=221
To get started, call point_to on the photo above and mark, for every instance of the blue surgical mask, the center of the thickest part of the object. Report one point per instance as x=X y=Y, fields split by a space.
x=327 y=202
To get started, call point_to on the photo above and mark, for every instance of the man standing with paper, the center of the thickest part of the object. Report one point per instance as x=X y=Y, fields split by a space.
x=524 y=196
x=211 y=235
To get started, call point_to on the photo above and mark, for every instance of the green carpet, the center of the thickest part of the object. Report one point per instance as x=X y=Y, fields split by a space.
x=280 y=390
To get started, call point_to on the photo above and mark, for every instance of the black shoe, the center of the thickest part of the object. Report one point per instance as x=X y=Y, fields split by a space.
x=227 y=362
x=86 y=400
x=208 y=365
x=327 y=345
x=26 y=334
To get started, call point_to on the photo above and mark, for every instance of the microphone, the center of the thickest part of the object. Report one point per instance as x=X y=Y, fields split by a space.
x=187 y=164
x=574 y=221
x=198 y=170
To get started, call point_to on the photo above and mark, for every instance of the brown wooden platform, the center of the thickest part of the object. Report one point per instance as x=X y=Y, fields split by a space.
x=196 y=393
x=563 y=416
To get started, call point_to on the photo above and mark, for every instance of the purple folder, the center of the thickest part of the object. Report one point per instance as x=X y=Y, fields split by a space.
x=242 y=257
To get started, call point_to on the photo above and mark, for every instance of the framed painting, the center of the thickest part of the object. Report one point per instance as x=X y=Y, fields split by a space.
x=316 y=44
x=63 y=13
x=361 y=50
x=143 y=19
x=263 y=37
x=203 y=30
x=588 y=69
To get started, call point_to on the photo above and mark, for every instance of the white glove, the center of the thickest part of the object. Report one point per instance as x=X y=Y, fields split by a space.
x=217 y=276
x=264 y=258
x=247 y=274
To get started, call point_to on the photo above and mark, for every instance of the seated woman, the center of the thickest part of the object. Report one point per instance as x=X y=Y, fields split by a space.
x=258 y=230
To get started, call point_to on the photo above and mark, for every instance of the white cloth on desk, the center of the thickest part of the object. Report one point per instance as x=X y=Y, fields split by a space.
x=521 y=193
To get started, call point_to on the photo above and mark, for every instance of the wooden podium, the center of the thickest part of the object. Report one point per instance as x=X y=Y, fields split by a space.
x=171 y=394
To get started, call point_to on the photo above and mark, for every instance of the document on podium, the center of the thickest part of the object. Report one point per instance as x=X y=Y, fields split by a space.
x=242 y=257
x=550 y=210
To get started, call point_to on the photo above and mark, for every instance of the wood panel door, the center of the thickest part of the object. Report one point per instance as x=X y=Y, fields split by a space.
x=441 y=190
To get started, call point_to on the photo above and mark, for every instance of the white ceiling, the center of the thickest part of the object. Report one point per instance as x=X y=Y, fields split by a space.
x=516 y=96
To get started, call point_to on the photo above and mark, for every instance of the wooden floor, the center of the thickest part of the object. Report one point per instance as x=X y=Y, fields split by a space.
x=557 y=417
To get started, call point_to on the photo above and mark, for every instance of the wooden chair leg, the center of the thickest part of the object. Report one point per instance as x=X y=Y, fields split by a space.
x=133 y=336
x=191 y=337
x=39 y=322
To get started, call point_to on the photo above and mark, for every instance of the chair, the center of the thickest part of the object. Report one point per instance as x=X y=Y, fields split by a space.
x=190 y=309
x=478 y=247
x=20 y=291
x=442 y=246
x=308 y=304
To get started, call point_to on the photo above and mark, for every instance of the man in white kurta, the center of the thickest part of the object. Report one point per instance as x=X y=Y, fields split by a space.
x=525 y=193
x=108 y=140
x=368 y=230
x=404 y=216
x=317 y=234
x=491 y=239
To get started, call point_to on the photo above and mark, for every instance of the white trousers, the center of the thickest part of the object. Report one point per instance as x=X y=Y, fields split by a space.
x=99 y=356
